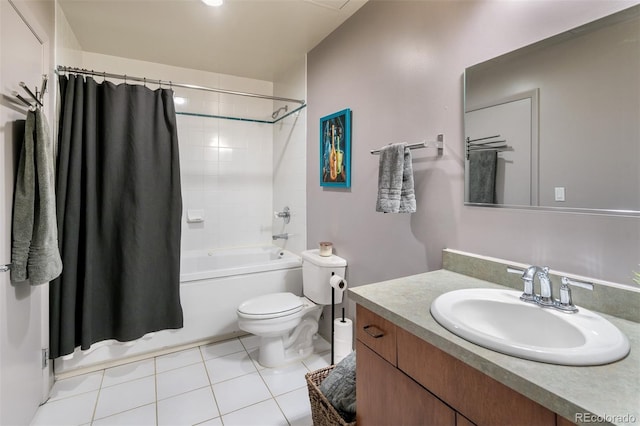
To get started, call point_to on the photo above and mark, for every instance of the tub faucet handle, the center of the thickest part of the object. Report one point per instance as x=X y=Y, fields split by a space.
x=285 y=214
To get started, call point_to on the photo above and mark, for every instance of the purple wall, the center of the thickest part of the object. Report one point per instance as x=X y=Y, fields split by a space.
x=399 y=65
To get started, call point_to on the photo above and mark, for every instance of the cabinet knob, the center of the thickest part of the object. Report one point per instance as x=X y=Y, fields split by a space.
x=373 y=331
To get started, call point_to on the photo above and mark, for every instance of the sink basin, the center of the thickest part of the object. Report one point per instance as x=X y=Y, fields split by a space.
x=499 y=320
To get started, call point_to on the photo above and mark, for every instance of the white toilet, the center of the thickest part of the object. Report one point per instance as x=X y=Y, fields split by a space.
x=287 y=323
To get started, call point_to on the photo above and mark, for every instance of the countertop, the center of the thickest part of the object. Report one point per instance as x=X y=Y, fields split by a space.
x=611 y=392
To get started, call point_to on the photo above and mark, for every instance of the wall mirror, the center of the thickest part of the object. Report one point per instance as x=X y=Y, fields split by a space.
x=557 y=124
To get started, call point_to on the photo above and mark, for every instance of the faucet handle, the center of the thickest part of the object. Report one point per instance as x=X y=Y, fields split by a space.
x=565 y=304
x=527 y=295
x=514 y=270
x=285 y=215
x=576 y=283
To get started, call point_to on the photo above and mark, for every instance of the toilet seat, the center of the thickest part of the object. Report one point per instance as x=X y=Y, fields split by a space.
x=269 y=306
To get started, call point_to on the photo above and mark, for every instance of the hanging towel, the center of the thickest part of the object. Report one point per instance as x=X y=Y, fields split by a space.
x=395 y=180
x=482 y=176
x=34 y=252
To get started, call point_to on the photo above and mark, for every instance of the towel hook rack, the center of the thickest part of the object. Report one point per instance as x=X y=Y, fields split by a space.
x=438 y=143
x=38 y=96
x=484 y=144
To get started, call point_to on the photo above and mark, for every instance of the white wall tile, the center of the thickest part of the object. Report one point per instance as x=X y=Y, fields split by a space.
x=242 y=170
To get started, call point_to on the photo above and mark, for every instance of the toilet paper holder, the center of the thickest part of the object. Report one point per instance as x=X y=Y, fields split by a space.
x=337 y=283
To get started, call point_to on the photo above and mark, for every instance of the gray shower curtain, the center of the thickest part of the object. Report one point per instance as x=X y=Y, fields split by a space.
x=119 y=208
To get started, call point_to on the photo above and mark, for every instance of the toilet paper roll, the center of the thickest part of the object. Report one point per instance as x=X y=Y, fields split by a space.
x=337 y=282
x=342 y=338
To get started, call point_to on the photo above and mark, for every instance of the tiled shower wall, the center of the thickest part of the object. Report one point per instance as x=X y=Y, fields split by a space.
x=226 y=173
x=226 y=165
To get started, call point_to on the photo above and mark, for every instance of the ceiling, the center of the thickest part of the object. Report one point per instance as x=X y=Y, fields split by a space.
x=249 y=38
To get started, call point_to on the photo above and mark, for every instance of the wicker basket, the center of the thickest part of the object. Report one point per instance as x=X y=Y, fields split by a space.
x=322 y=411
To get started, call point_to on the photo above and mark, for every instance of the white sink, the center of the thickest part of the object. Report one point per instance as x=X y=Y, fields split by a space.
x=499 y=320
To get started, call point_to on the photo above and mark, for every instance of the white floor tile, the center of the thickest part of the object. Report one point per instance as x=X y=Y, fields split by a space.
x=188 y=408
x=229 y=366
x=318 y=361
x=181 y=380
x=296 y=407
x=125 y=396
x=128 y=372
x=141 y=416
x=178 y=359
x=213 y=422
x=75 y=385
x=75 y=410
x=176 y=389
x=265 y=413
x=285 y=379
x=219 y=349
x=240 y=392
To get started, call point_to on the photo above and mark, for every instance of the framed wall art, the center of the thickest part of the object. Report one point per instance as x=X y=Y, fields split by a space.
x=335 y=149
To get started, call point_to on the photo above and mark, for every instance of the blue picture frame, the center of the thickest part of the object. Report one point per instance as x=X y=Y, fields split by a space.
x=335 y=149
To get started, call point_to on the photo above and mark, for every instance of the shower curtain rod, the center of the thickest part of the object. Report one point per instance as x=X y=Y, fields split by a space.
x=173 y=84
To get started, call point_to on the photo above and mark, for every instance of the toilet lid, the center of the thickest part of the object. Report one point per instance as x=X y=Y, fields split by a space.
x=271 y=305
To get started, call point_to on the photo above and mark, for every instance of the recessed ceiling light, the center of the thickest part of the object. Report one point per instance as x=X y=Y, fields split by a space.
x=214 y=3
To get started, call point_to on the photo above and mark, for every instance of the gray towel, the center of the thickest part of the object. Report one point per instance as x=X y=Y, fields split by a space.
x=482 y=176
x=340 y=387
x=395 y=180
x=34 y=252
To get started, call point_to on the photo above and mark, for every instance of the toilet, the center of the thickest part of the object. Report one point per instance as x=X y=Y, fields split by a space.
x=286 y=323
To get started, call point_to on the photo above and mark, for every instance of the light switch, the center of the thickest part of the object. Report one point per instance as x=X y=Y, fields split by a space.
x=559 y=193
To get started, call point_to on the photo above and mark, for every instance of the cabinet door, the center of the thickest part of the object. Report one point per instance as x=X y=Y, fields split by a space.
x=385 y=396
x=477 y=396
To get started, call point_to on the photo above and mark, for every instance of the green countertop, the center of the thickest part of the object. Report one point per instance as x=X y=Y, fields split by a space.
x=610 y=392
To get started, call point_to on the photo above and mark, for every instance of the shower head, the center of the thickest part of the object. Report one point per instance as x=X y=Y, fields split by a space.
x=277 y=112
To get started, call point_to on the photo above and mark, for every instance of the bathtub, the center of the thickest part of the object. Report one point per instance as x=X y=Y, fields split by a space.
x=212 y=285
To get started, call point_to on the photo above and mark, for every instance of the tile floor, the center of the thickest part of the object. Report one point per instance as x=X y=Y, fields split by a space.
x=216 y=384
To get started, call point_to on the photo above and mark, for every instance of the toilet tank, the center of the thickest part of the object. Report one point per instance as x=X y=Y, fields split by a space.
x=316 y=272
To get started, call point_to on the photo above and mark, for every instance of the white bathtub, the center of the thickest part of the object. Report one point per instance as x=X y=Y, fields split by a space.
x=213 y=284
x=199 y=265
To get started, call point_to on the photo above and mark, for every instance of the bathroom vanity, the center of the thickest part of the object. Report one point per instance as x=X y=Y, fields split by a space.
x=410 y=370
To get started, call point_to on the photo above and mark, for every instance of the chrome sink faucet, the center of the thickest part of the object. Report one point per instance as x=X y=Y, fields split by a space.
x=545 y=298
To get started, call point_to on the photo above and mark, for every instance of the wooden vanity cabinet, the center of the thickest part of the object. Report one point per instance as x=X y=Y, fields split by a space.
x=403 y=380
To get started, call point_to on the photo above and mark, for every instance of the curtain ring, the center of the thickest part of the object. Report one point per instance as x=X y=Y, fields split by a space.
x=145 y=82
x=160 y=83
x=104 y=76
x=125 y=79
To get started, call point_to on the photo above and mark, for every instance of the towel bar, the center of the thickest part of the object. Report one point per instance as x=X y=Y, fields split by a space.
x=439 y=144
x=5 y=268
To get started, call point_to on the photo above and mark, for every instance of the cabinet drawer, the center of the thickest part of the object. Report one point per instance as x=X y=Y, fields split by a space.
x=377 y=333
x=475 y=395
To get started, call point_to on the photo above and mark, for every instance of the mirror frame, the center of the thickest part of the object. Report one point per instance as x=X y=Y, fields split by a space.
x=621 y=16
